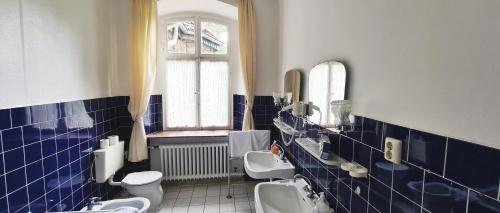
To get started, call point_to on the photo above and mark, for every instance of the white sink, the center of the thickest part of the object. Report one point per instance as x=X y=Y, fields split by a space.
x=264 y=164
x=283 y=197
x=142 y=204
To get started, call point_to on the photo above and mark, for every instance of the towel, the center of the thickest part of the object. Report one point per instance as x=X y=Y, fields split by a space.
x=241 y=142
x=76 y=115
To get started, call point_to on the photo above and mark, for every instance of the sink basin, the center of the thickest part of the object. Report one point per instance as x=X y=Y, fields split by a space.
x=137 y=202
x=264 y=164
x=282 y=196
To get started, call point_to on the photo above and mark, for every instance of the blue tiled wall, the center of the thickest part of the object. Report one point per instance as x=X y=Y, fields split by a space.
x=455 y=176
x=263 y=112
x=45 y=151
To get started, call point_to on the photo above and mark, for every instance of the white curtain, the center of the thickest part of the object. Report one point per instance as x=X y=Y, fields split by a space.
x=142 y=67
x=247 y=34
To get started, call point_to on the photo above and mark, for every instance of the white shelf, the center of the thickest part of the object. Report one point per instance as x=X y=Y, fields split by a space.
x=312 y=147
x=285 y=127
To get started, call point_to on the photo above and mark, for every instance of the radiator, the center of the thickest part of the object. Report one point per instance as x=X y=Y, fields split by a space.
x=194 y=161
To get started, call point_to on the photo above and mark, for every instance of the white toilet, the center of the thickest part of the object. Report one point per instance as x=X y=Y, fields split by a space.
x=145 y=184
x=139 y=184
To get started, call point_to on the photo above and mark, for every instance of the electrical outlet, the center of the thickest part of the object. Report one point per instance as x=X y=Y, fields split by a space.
x=392 y=151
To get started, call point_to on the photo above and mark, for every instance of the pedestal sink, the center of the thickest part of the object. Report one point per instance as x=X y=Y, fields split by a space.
x=283 y=196
x=264 y=165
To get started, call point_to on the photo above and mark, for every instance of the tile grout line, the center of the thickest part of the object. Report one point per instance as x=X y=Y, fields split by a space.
x=467 y=203
x=408 y=145
x=423 y=192
x=445 y=156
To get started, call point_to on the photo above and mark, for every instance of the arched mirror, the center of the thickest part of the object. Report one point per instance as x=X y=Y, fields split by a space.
x=292 y=84
x=327 y=83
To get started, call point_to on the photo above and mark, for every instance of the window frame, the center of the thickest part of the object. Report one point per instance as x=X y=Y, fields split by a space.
x=198 y=57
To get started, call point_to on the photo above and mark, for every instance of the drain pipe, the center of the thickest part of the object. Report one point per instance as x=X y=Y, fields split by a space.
x=113 y=183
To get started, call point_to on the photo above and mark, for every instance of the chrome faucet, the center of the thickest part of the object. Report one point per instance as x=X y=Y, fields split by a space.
x=92 y=202
x=282 y=151
x=308 y=188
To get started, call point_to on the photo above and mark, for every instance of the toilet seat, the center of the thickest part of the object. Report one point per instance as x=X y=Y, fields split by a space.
x=141 y=178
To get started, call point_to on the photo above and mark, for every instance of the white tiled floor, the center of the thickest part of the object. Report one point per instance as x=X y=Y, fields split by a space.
x=208 y=197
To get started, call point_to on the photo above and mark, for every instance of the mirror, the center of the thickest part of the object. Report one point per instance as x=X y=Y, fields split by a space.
x=327 y=83
x=292 y=84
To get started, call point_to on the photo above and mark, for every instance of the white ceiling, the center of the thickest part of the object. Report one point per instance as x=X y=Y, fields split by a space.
x=166 y=7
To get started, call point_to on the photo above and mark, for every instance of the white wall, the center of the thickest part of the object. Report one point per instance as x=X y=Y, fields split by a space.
x=428 y=65
x=267 y=73
x=55 y=50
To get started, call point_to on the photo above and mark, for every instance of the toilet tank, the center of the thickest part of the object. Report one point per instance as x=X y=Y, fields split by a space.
x=108 y=161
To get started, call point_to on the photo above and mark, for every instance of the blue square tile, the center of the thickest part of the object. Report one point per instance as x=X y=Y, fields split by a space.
x=5 y=122
x=67 y=203
x=400 y=204
x=62 y=142
x=93 y=105
x=64 y=175
x=12 y=139
x=397 y=132
x=3 y=191
x=427 y=150
x=49 y=147
x=344 y=195
x=3 y=204
x=358 y=204
x=49 y=164
x=15 y=159
x=51 y=182
x=1 y=165
x=74 y=153
x=18 y=199
x=33 y=152
x=48 y=132
x=482 y=204
x=38 y=205
x=380 y=195
x=30 y=134
x=73 y=138
x=15 y=179
x=20 y=116
x=53 y=199
x=34 y=171
x=466 y=160
x=381 y=169
x=372 y=133
x=362 y=154
x=61 y=127
x=36 y=190
x=441 y=195
x=75 y=168
x=62 y=158
x=408 y=180
x=361 y=184
x=346 y=148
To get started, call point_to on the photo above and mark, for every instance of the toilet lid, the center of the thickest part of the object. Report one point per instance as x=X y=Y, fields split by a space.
x=141 y=178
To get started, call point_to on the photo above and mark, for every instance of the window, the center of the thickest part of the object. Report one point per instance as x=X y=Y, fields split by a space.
x=197 y=74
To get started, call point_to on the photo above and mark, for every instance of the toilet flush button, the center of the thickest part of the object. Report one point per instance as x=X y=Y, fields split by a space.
x=392 y=150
